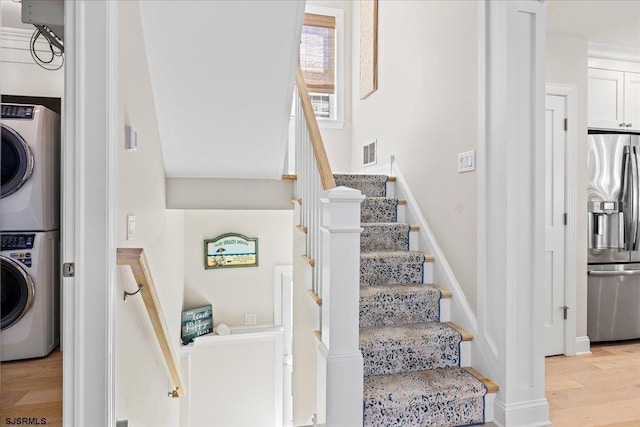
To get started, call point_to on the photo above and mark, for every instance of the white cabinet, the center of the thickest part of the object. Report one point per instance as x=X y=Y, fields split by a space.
x=614 y=100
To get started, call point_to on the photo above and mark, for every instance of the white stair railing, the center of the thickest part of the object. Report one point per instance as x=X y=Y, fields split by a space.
x=331 y=218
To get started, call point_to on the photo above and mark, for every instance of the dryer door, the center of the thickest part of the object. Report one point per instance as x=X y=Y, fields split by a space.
x=16 y=290
x=17 y=161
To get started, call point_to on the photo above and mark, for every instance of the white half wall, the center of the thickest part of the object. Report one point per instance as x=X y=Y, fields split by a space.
x=142 y=381
x=424 y=113
x=234 y=292
x=566 y=63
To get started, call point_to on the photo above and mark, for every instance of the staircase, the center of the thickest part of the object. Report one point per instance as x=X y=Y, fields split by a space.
x=416 y=363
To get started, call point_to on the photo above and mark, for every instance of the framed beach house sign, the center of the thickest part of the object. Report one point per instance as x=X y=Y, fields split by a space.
x=230 y=250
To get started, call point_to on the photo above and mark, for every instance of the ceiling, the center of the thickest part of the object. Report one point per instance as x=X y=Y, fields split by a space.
x=222 y=74
x=615 y=22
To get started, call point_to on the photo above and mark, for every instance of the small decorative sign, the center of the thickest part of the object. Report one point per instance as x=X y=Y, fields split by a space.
x=196 y=322
x=231 y=250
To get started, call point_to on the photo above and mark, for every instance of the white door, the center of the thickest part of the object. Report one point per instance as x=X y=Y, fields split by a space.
x=283 y=316
x=606 y=98
x=555 y=137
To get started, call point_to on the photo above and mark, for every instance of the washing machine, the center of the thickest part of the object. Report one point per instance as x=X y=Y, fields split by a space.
x=30 y=289
x=30 y=195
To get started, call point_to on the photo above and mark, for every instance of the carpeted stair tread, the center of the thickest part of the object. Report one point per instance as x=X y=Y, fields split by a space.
x=384 y=237
x=383 y=267
x=437 y=397
x=369 y=185
x=409 y=347
x=398 y=304
x=379 y=209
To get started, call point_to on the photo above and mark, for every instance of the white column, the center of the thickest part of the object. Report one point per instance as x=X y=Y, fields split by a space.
x=511 y=235
x=339 y=357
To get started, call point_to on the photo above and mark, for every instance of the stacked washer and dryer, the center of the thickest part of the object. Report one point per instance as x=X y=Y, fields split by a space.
x=29 y=232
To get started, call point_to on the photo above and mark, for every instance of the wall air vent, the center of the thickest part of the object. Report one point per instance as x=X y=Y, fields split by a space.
x=369 y=153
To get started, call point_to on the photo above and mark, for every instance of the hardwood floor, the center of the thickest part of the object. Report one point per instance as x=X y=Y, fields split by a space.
x=599 y=389
x=32 y=389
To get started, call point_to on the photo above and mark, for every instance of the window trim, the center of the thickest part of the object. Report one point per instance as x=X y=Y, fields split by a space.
x=337 y=122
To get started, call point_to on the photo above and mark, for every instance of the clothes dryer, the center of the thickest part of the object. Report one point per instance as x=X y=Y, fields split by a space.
x=30 y=195
x=30 y=289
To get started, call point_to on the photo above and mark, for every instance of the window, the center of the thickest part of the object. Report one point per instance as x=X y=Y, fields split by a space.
x=318 y=53
x=321 y=62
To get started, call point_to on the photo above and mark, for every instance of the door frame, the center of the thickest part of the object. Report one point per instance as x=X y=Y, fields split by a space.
x=571 y=105
x=89 y=202
x=283 y=303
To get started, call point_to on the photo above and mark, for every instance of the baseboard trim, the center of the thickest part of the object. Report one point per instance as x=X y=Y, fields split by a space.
x=583 y=345
x=534 y=413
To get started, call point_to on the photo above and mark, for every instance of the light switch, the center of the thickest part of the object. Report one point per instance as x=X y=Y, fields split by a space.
x=467 y=161
x=250 y=319
x=131 y=227
x=131 y=138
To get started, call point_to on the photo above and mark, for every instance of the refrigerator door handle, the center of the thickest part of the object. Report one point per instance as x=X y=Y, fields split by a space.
x=614 y=273
x=634 y=200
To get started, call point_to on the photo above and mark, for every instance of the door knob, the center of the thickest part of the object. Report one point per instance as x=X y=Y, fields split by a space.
x=629 y=125
x=622 y=125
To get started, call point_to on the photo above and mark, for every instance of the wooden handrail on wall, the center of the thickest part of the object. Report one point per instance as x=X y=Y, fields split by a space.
x=326 y=175
x=134 y=258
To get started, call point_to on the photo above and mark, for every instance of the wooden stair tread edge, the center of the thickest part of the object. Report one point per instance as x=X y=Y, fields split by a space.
x=429 y=258
x=466 y=336
x=308 y=260
x=297 y=202
x=289 y=177
x=318 y=335
x=315 y=297
x=490 y=385
x=301 y=228
x=402 y=202
x=414 y=228
x=444 y=293
x=392 y=179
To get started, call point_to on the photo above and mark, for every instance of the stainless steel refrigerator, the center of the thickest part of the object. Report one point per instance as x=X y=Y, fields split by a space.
x=613 y=203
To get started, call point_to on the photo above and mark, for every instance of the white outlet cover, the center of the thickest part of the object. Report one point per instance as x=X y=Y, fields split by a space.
x=250 y=319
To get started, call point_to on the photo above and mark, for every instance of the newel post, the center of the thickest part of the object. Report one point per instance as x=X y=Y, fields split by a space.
x=339 y=357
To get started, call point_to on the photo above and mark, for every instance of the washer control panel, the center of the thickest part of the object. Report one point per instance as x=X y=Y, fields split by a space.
x=11 y=111
x=10 y=242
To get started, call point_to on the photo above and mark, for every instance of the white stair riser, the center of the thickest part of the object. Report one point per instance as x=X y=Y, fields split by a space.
x=413 y=241
x=401 y=211
x=489 y=400
x=391 y=189
x=428 y=273
x=465 y=354
x=445 y=310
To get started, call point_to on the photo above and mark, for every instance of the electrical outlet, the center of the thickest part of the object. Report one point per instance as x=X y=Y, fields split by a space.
x=467 y=161
x=250 y=319
x=131 y=227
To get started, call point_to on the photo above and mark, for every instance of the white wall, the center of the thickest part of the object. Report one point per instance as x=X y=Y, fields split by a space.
x=424 y=112
x=142 y=382
x=566 y=63
x=233 y=382
x=234 y=292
